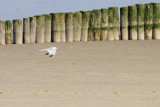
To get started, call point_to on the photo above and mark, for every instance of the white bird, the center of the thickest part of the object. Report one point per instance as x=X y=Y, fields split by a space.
x=51 y=51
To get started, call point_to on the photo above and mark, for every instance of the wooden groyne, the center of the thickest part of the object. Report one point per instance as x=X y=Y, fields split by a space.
x=138 y=22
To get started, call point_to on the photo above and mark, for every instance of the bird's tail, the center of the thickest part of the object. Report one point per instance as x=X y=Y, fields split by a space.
x=42 y=50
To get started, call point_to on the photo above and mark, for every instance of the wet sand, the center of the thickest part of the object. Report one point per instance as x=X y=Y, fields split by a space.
x=82 y=74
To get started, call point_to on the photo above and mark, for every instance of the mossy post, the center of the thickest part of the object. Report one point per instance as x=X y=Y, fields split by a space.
x=69 y=27
x=140 y=21
x=26 y=30
x=124 y=22
x=77 y=26
x=148 y=21
x=33 y=29
x=47 y=28
x=104 y=24
x=8 y=32
x=18 y=31
x=40 y=29
x=2 y=32
x=97 y=25
x=62 y=27
x=156 y=21
x=85 y=25
x=116 y=28
x=132 y=20
x=91 y=26
x=110 y=25
x=56 y=27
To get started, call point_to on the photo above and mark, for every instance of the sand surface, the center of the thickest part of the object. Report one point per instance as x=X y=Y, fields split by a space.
x=82 y=74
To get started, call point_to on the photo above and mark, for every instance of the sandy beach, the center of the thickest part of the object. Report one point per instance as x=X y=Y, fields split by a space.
x=82 y=74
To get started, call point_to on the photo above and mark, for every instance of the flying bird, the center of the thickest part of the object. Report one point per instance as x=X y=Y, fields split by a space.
x=51 y=51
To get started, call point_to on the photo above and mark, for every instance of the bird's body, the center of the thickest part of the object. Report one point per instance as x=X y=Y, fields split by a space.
x=51 y=51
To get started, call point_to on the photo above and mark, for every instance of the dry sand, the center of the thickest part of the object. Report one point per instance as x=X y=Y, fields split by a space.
x=82 y=74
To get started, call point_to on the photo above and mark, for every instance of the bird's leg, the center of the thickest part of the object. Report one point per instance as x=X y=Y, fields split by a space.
x=46 y=53
x=51 y=55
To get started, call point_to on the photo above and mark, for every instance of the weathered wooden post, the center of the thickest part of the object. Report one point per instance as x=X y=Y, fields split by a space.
x=91 y=27
x=148 y=21
x=69 y=27
x=33 y=29
x=132 y=18
x=26 y=30
x=156 y=21
x=47 y=28
x=85 y=25
x=110 y=25
x=104 y=24
x=140 y=21
x=8 y=32
x=77 y=26
x=18 y=31
x=2 y=32
x=124 y=22
x=56 y=27
x=40 y=29
x=62 y=27
x=97 y=25
x=116 y=29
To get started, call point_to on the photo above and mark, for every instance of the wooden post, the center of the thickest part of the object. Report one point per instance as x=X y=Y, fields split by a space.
x=2 y=32
x=85 y=25
x=77 y=26
x=97 y=25
x=132 y=18
x=156 y=21
x=62 y=27
x=104 y=24
x=91 y=26
x=56 y=27
x=18 y=31
x=8 y=32
x=40 y=29
x=47 y=28
x=33 y=29
x=124 y=22
x=110 y=25
x=69 y=27
x=26 y=30
x=148 y=21
x=116 y=29
x=140 y=22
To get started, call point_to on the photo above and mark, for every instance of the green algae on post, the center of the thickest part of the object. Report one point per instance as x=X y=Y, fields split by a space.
x=140 y=21
x=2 y=32
x=18 y=31
x=77 y=26
x=156 y=21
x=8 y=32
x=124 y=22
x=116 y=29
x=62 y=27
x=104 y=24
x=97 y=25
x=56 y=27
x=26 y=30
x=69 y=27
x=110 y=25
x=85 y=25
x=148 y=21
x=47 y=28
x=33 y=29
x=40 y=28
x=132 y=20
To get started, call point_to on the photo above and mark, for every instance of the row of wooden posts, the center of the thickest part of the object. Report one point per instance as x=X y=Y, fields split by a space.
x=139 y=22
